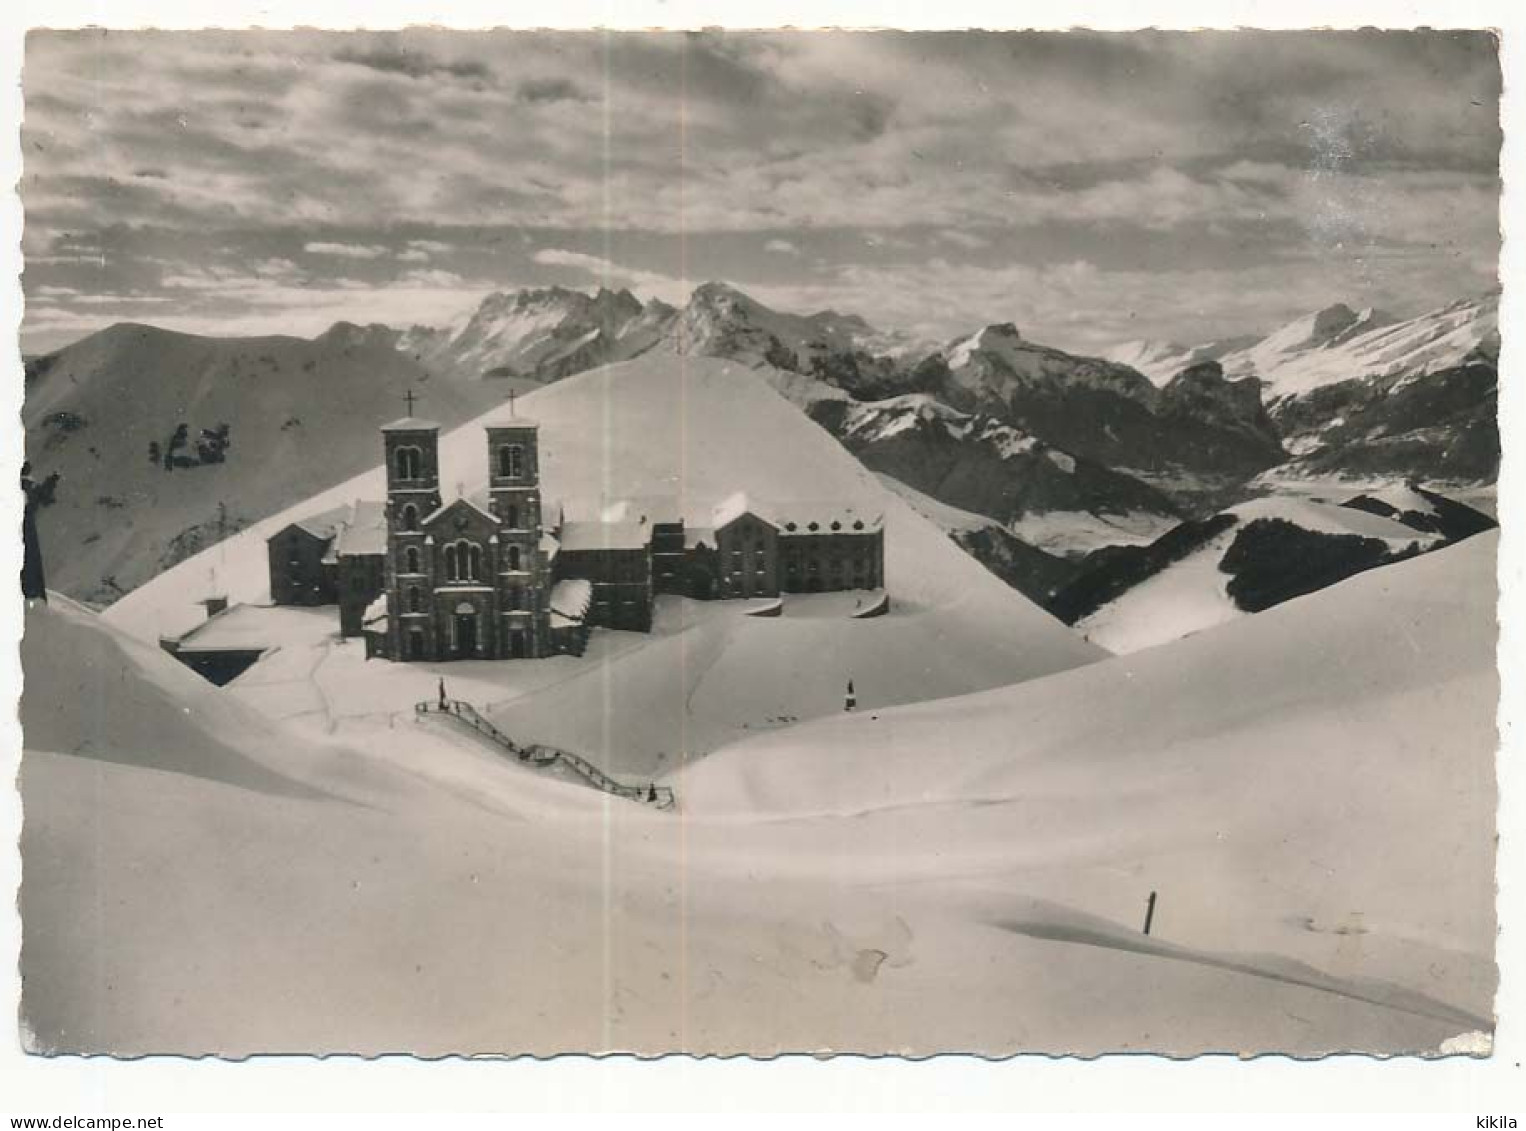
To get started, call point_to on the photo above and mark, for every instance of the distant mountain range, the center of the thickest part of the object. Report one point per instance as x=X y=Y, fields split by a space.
x=1064 y=452
x=1363 y=395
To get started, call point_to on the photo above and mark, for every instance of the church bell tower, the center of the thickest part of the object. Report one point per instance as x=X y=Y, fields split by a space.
x=521 y=570
x=412 y=449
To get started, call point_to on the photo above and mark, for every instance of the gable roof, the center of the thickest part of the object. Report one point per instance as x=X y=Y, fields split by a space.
x=453 y=505
x=323 y=525
x=734 y=507
x=365 y=533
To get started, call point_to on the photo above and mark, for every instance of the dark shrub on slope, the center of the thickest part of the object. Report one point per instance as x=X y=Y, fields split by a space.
x=1454 y=521
x=1272 y=560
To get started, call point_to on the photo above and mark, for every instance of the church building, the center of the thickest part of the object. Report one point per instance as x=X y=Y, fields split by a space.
x=500 y=575
x=464 y=581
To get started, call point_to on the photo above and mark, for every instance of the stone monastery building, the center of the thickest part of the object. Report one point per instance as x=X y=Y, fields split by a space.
x=504 y=576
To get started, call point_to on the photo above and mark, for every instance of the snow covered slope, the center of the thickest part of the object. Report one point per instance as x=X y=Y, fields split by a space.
x=1262 y=552
x=1287 y=784
x=1160 y=361
x=102 y=695
x=984 y=895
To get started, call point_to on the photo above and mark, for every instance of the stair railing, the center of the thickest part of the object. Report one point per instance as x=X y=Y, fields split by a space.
x=658 y=796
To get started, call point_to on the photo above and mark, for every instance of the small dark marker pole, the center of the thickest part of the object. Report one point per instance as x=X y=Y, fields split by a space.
x=409 y=397
x=1149 y=913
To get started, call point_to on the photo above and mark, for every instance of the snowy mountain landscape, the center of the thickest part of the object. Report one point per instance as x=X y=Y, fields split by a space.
x=747 y=544
x=1066 y=454
x=315 y=738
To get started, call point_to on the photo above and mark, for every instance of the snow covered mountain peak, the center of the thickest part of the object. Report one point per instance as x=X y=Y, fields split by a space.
x=1337 y=344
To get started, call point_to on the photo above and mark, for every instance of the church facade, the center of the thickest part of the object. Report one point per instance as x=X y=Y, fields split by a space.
x=461 y=581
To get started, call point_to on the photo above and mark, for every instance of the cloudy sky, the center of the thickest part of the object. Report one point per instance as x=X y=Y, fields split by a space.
x=1089 y=188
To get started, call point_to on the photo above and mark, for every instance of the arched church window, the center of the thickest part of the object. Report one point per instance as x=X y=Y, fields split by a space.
x=511 y=461
x=411 y=556
x=513 y=517
x=415 y=599
x=410 y=462
x=463 y=561
x=514 y=557
x=410 y=517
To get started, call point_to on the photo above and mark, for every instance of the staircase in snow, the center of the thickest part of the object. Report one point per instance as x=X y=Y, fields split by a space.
x=657 y=796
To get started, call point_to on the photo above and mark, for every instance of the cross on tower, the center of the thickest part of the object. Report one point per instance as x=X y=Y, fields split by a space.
x=511 y=402
x=409 y=397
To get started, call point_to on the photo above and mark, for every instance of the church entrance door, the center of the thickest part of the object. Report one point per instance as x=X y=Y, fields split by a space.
x=517 y=647
x=466 y=634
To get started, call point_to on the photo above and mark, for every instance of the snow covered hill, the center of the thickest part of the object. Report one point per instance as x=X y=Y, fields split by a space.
x=961 y=874
x=300 y=415
x=1245 y=560
x=1286 y=784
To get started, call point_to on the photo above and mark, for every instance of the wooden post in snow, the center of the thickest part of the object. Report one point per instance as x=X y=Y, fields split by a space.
x=1149 y=913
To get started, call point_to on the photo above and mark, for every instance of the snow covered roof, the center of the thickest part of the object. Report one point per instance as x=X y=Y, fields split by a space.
x=509 y=417
x=411 y=424
x=364 y=534
x=605 y=536
x=236 y=628
x=323 y=525
x=549 y=545
x=827 y=518
x=659 y=509
x=375 y=615
x=569 y=601
x=734 y=507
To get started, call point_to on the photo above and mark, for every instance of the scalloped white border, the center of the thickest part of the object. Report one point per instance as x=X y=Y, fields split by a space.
x=1462 y=1084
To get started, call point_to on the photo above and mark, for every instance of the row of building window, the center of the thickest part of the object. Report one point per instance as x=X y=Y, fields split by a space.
x=408 y=462
x=463 y=560
x=792 y=564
